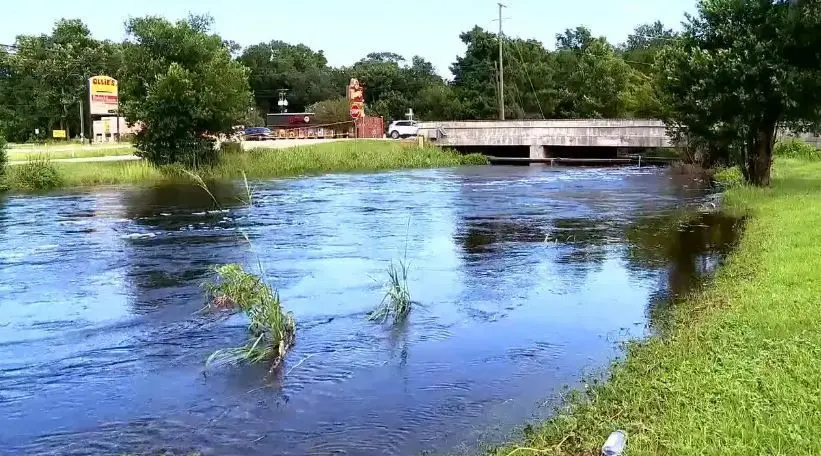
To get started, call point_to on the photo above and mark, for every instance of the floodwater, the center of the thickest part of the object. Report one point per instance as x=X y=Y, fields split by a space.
x=526 y=279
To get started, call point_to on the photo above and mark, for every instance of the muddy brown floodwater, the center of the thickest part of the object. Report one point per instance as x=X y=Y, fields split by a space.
x=526 y=278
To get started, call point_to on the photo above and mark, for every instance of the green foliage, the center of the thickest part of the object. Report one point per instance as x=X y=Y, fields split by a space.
x=303 y=72
x=737 y=373
x=332 y=111
x=475 y=159
x=182 y=86
x=738 y=70
x=3 y=160
x=44 y=81
x=796 y=148
x=37 y=174
x=271 y=330
x=396 y=303
x=728 y=177
x=330 y=157
x=231 y=147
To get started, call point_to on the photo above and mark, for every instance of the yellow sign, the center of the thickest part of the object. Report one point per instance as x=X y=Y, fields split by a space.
x=103 y=95
x=58 y=134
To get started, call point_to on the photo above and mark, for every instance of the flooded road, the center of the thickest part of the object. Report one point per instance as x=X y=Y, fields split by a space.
x=526 y=278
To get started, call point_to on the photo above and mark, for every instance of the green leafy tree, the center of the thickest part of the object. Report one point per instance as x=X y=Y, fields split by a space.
x=592 y=80
x=182 y=87
x=332 y=111
x=303 y=72
x=44 y=81
x=740 y=69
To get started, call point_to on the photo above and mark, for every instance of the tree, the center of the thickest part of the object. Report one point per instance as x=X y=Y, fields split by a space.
x=182 y=87
x=740 y=70
x=303 y=72
x=592 y=80
x=332 y=111
x=44 y=81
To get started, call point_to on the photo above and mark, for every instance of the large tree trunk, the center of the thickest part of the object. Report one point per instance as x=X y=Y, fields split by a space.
x=760 y=155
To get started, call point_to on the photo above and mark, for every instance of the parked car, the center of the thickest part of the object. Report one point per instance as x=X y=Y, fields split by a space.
x=402 y=129
x=257 y=134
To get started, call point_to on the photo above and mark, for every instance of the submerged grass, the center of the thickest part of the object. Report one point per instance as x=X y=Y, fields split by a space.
x=738 y=373
x=396 y=303
x=271 y=330
x=343 y=156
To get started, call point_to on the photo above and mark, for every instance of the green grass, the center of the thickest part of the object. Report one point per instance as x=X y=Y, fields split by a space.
x=739 y=372
x=344 y=156
x=66 y=151
x=271 y=330
x=396 y=303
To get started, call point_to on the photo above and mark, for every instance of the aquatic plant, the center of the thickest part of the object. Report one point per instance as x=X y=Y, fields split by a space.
x=272 y=331
x=474 y=160
x=397 y=302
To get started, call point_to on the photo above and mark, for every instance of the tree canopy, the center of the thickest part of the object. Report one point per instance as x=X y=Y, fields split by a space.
x=180 y=82
x=740 y=70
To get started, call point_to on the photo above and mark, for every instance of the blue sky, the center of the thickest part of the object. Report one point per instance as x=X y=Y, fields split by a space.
x=348 y=30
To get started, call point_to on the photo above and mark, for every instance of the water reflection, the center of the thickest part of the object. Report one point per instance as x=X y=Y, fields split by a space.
x=525 y=278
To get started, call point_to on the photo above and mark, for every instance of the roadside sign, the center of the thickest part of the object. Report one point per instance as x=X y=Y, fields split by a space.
x=58 y=134
x=356 y=111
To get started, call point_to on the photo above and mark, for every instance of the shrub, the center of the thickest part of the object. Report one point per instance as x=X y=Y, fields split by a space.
x=3 y=158
x=796 y=148
x=728 y=177
x=231 y=147
x=271 y=330
x=397 y=302
x=474 y=159
x=36 y=175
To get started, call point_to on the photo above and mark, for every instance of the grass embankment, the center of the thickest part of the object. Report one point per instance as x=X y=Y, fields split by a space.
x=258 y=164
x=739 y=373
x=20 y=153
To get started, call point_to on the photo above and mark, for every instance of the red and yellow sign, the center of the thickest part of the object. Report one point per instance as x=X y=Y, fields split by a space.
x=356 y=98
x=103 y=95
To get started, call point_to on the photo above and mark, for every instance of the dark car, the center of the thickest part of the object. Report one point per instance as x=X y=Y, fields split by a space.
x=256 y=134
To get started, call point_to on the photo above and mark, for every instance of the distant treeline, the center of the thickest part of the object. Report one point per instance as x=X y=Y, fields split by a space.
x=42 y=78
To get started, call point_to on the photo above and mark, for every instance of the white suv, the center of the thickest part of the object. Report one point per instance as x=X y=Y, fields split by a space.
x=402 y=128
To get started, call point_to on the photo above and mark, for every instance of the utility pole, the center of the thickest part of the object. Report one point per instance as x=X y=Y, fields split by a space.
x=82 y=123
x=501 y=68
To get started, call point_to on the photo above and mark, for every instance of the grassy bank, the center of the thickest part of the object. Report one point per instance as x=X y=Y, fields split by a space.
x=23 y=153
x=257 y=164
x=739 y=372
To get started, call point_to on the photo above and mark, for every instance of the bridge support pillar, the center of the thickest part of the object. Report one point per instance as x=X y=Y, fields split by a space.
x=538 y=152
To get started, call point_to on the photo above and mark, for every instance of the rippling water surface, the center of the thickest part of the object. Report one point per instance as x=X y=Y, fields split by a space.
x=527 y=278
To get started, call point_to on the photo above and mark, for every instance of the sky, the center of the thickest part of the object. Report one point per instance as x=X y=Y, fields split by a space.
x=346 y=30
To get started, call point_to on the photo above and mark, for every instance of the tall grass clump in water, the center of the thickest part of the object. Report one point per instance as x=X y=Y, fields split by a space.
x=35 y=175
x=396 y=303
x=272 y=331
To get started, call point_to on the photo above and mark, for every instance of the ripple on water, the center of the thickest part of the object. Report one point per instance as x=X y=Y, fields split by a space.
x=525 y=279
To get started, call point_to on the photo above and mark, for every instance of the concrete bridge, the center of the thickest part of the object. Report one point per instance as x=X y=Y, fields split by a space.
x=542 y=135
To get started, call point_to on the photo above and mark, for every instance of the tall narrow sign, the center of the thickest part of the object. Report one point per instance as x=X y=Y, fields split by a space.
x=103 y=96
x=356 y=98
